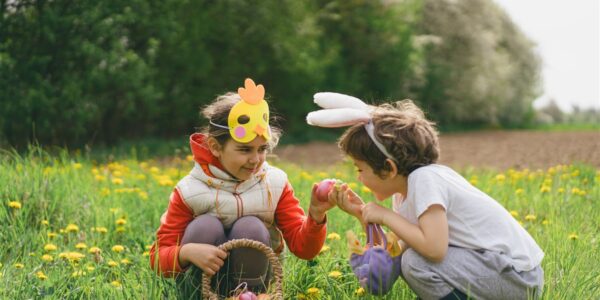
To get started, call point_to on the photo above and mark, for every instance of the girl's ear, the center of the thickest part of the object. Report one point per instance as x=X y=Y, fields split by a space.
x=393 y=168
x=214 y=146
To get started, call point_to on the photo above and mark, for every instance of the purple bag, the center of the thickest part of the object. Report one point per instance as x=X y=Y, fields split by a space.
x=376 y=269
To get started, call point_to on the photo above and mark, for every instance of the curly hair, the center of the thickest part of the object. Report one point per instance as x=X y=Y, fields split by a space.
x=405 y=133
x=218 y=113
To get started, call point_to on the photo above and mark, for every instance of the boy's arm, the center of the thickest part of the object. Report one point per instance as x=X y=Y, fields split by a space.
x=303 y=235
x=165 y=261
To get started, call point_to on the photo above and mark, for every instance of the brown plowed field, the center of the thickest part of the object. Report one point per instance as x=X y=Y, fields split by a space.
x=498 y=150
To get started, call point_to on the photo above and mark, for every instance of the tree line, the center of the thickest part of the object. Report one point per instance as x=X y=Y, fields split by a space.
x=97 y=72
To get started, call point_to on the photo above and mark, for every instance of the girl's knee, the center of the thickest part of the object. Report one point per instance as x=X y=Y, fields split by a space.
x=250 y=227
x=205 y=229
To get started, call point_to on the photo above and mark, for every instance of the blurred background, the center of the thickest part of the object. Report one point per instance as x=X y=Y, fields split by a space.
x=99 y=73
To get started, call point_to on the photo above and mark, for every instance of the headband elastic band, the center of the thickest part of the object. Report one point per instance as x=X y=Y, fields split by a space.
x=217 y=125
x=369 y=127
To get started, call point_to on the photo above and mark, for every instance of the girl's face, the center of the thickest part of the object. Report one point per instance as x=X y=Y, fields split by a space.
x=241 y=160
x=381 y=188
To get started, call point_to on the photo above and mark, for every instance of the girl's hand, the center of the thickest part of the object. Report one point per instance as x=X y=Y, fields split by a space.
x=375 y=213
x=347 y=200
x=207 y=257
x=318 y=208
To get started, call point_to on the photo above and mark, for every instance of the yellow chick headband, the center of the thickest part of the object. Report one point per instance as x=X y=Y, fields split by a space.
x=249 y=117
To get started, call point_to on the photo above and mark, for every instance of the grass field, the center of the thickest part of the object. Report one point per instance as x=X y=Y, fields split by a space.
x=76 y=228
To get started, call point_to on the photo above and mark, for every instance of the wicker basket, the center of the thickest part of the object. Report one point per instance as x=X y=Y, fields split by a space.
x=277 y=293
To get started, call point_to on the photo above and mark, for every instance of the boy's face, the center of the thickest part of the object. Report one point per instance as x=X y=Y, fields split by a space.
x=381 y=188
x=241 y=160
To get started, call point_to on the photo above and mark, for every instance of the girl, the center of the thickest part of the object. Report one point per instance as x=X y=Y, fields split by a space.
x=458 y=241
x=232 y=193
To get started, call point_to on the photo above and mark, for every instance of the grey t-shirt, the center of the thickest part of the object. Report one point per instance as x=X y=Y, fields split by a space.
x=475 y=220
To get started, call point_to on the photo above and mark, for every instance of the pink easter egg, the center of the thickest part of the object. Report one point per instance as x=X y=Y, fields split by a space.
x=247 y=296
x=323 y=189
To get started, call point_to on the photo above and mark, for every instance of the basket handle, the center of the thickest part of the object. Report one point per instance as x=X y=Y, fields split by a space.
x=375 y=230
x=207 y=292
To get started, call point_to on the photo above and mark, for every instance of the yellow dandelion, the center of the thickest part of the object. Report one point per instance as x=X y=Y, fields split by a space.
x=154 y=170
x=333 y=236
x=359 y=292
x=125 y=261
x=561 y=190
x=324 y=249
x=335 y=274
x=104 y=192
x=117 y=181
x=514 y=213
x=112 y=263
x=114 y=210
x=101 y=229
x=143 y=195
x=50 y=247
x=72 y=256
x=148 y=247
x=573 y=236
x=47 y=258
x=545 y=222
x=51 y=235
x=500 y=177
x=19 y=266
x=77 y=166
x=40 y=275
x=189 y=158
x=165 y=180
x=140 y=177
x=45 y=222
x=313 y=291
x=81 y=246
x=72 y=228
x=545 y=189
x=90 y=268
x=94 y=250
x=116 y=284
x=146 y=253
x=118 y=248
x=117 y=173
x=301 y=296
x=353 y=185
x=473 y=180
x=120 y=229
x=14 y=204
x=519 y=192
x=78 y=273
x=530 y=217
x=121 y=221
x=99 y=178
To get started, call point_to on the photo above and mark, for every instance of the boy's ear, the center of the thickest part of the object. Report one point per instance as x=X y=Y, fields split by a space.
x=214 y=146
x=393 y=168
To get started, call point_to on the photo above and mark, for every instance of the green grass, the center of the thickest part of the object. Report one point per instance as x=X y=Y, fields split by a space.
x=560 y=208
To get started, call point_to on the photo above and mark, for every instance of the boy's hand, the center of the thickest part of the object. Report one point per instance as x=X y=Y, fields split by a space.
x=318 y=208
x=347 y=200
x=375 y=213
x=207 y=257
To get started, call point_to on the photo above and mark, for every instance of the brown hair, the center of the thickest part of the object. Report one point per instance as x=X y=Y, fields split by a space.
x=218 y=113
x=405 y=133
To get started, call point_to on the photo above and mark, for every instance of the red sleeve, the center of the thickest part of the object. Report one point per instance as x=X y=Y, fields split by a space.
x=168 y=236
x=302 y=234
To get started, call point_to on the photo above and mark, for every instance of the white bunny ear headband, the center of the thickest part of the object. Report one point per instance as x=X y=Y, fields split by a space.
x=342 y=110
